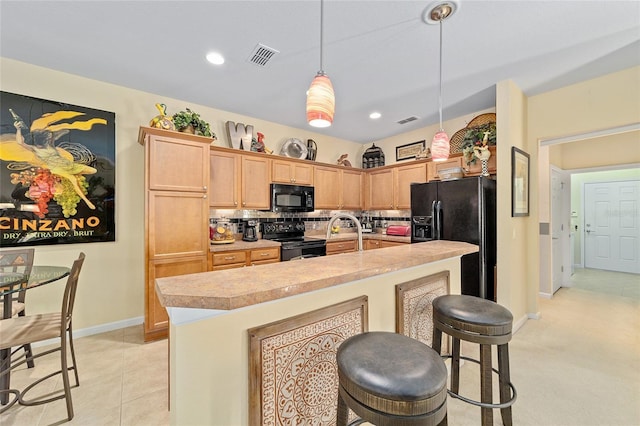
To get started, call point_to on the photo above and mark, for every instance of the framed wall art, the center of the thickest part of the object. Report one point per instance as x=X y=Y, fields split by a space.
x=410 y=150
x=57 y=172
x=519 y=182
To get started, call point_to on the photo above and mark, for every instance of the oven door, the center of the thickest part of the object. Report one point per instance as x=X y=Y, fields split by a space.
x=291 y=251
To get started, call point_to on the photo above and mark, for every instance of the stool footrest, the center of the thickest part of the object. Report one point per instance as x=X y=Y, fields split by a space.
x=505 y=404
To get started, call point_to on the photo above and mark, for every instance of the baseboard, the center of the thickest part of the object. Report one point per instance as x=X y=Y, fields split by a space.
x=90 y=331
x=519 y=323
x=545 y=295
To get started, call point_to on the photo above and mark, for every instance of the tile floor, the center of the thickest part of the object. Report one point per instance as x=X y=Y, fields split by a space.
x=576 y=366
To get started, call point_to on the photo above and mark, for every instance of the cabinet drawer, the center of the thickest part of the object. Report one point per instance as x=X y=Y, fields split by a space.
x=265 y=254
x=341 y=247
x=371 y=244
x=229 y=257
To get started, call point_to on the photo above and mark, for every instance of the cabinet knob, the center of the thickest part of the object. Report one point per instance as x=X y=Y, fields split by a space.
x=204 y=187
x=264 y=254
x=229 y=257
x=244 y=203
x=204 y=196
x=235 y=203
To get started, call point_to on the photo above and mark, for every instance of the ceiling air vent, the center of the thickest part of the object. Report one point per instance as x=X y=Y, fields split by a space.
x=407 y=120
x=262 y=54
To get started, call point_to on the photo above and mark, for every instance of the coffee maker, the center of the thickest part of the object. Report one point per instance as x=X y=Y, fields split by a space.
x=250 y=232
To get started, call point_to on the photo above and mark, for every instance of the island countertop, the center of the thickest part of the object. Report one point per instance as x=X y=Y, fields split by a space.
x=238 y=288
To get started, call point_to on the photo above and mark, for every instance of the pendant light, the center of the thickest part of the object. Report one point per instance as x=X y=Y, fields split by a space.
x=321 y=102
x=435 y=14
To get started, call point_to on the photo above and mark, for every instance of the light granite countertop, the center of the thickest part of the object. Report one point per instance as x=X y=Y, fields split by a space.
x=237 y=288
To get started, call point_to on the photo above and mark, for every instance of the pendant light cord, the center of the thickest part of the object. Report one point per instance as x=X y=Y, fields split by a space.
x=440 y=96
x=321 y=35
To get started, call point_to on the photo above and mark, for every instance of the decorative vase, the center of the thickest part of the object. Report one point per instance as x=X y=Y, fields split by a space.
x=483 y=154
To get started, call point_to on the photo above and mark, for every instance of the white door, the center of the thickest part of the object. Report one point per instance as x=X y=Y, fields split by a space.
x=612 y=226
x=560 y=235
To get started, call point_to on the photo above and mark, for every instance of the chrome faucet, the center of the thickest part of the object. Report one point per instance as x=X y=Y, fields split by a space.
x=353 y=219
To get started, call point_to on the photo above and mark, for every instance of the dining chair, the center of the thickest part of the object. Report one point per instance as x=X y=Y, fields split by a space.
x=21 y=261
x=35 y=328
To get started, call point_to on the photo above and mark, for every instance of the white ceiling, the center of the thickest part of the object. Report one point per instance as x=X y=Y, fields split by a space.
x=379 y=54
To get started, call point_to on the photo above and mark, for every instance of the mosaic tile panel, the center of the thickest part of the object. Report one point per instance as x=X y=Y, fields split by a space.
x=293 y=372
x=414 y=310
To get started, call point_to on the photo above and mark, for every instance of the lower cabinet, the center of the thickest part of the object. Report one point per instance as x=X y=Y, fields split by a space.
x=156 y=324
x=345 y=246
x=240 y=258
x=371 y=244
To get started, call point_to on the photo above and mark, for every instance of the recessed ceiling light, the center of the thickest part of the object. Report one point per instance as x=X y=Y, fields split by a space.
x=375 y=115
x=215 y=58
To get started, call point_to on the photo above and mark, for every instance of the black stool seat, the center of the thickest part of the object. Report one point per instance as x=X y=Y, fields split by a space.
x=484 y=322
x=471 y=315
x=387 y=378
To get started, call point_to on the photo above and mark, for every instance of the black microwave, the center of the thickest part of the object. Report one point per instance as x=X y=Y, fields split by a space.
x=291 y=198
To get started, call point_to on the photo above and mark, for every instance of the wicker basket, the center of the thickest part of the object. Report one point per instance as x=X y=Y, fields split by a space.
x=457 y=139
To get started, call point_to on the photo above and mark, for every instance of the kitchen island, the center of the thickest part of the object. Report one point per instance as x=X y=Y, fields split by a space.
x=211 y=314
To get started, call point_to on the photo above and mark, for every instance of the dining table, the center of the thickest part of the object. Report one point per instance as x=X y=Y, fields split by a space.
x=11 y=283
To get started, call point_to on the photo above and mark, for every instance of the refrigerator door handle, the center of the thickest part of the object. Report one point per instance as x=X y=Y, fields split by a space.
x=436 y=208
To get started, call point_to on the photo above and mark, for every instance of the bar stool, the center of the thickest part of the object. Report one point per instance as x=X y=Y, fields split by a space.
x=391 y=379
x=480 y=321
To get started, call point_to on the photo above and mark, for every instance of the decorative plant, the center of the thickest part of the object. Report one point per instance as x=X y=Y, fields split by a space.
x=184 y=119
x=473 y=138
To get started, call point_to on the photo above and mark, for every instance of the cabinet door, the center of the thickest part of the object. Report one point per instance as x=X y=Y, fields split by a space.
x=327 y=187
x=156 y=323
x=380 y=190
x=224 y=185
x=178 y=224
x=435 y=166
x=337 y=247
x=352 y=181
x=177 y=165
x=405 y=175
x=385 y=243
x=291 y=172
x=256 y=178
x=371 y=244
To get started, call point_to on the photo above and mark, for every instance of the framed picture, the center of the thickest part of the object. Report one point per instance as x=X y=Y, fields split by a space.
x=519 y=182
x=410 y=150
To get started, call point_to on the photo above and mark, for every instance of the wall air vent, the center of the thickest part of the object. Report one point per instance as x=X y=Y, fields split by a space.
x=262 y=54
x=407 y=120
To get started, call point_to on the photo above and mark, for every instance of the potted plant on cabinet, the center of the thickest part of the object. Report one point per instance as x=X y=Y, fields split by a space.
x=190 y=122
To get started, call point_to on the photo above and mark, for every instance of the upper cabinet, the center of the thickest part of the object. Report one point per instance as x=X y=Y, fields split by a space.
x=239 y=181
x=176 y=162
x=291 y=172
x=338 y=188
x=389 y=188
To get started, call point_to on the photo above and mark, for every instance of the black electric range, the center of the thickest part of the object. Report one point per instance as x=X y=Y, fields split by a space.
x=294 y=245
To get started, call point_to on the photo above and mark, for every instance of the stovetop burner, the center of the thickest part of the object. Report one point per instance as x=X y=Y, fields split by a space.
x=287 y=232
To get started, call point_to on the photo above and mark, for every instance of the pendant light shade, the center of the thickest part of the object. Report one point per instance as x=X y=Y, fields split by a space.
x=321 y=101
x=435 y=14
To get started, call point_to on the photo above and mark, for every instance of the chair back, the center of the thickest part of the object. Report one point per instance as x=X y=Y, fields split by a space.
x=20 y=261
x=69 y=297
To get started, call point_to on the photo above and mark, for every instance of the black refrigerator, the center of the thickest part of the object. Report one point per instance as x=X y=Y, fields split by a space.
x=460 y=210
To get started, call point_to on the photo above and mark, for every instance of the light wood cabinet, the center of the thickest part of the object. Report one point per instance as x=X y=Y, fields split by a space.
x=156 y=323
x=345 y=246
x=239 y=181
x=291 y=172
x=385 y=243
x=337 y=188
x=380 y=189
x=389 y=188
x=224 y=186
x=176 y=214
x=256 y=178
x=240 y=258
x=371 y=244
x=434 y=167
x=404 y=176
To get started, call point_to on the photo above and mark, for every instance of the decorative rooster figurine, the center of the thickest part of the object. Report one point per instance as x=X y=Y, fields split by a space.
x=162 y=121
